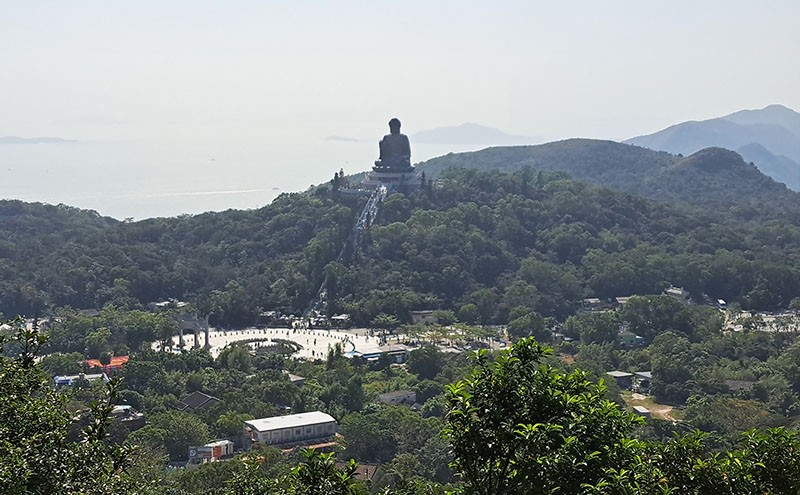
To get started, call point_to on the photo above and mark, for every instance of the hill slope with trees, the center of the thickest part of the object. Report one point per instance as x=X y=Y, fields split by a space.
x=730 y=184
x=770 y=137
x=484 y=244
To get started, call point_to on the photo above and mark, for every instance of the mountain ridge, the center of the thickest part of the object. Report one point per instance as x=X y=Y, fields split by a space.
x=775 y=130
x=729 y=181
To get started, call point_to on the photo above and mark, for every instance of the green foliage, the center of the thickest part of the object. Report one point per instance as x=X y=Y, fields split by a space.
x=112 y=331
x=63 y=364
x=318 y=474
x=482 y=245
x=174 y=432
x=43 y=448
x=444 y=317
x=649 y=316
x=379 y=433
x=728 y=416
x=593 y=328
x=425 y=362
x=518 y=426
x=230 y=424
x=236 y=357
x=529 y=325
x=714 y=179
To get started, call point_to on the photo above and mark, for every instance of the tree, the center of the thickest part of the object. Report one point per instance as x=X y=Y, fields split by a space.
x=386 y=322
x=649 y=316
x=63 y=364
x=425 y=362
x=518 y=426
x=368 y=437
x=173 y=431
x=235 y=357
x=593 y=328
x=530 y=324
x=318 y=474
x=427 y=389
x=468 y=313
x=444 y=317
x=45 y=447
x=139 y=375
x=230 y=424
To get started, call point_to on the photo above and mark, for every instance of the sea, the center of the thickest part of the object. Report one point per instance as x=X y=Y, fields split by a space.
x=135 y=180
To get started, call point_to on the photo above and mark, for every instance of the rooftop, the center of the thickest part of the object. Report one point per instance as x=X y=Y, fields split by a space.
x=218 y=443
x=295 y=378
x=198 y=400
x=68 y=379
x=397 y=393
x=290 y=421
x=115 y=361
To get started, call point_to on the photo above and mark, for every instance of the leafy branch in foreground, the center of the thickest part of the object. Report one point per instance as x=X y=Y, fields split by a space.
x=44 y=448
x=518 y=426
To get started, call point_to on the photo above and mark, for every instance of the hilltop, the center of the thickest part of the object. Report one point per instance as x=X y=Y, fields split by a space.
x=768 y=137
x=710 y=178
x=482 y=244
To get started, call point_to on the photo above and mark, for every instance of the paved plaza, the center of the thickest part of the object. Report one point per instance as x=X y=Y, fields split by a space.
x=316 y=343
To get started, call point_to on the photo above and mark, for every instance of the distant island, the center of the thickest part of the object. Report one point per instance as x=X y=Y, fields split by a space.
x=34 y=140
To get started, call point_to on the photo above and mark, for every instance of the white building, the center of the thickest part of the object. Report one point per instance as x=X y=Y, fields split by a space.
x=210 y=452
x=291 y=429
x=69 y=380
x=677 y=293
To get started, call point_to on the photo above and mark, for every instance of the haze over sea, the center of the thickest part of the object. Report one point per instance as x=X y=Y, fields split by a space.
x=143 y=179
x=185 y=107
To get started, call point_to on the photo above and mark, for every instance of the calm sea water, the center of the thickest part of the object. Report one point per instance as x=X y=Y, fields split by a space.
x=156 y=179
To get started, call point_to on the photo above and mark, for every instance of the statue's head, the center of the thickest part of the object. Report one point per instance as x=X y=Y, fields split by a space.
x=394 y=126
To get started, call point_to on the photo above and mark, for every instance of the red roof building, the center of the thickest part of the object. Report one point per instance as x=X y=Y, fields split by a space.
x=116 y=363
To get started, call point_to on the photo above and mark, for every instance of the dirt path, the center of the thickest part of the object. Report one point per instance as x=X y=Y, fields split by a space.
x=658 y=411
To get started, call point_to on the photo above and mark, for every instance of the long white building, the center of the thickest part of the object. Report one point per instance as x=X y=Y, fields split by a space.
x=292 y=429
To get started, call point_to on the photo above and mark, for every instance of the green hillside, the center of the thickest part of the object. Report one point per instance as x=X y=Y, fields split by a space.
x=768 y=137
x=730 y=185
x=484 y=240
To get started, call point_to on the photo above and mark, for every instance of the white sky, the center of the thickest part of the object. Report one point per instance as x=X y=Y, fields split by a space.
x=244 y=71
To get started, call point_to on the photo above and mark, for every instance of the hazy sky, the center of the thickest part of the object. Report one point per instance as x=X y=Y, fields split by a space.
x=214 y=90
x=244 y=69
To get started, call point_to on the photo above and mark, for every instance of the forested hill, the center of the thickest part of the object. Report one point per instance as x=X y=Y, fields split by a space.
x=20 y=220
x=770 y=137
x=485 y=244
x=711 y=178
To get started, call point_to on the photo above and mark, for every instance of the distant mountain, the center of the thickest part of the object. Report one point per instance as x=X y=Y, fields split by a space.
x=341 y=138
x=710 y=178
x=769 y=137
x=772 y=165
x=777 y=115
x=35 y=140
x=469 y=134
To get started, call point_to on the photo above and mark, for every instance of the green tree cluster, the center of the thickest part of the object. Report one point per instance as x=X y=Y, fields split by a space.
x=45 y=447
